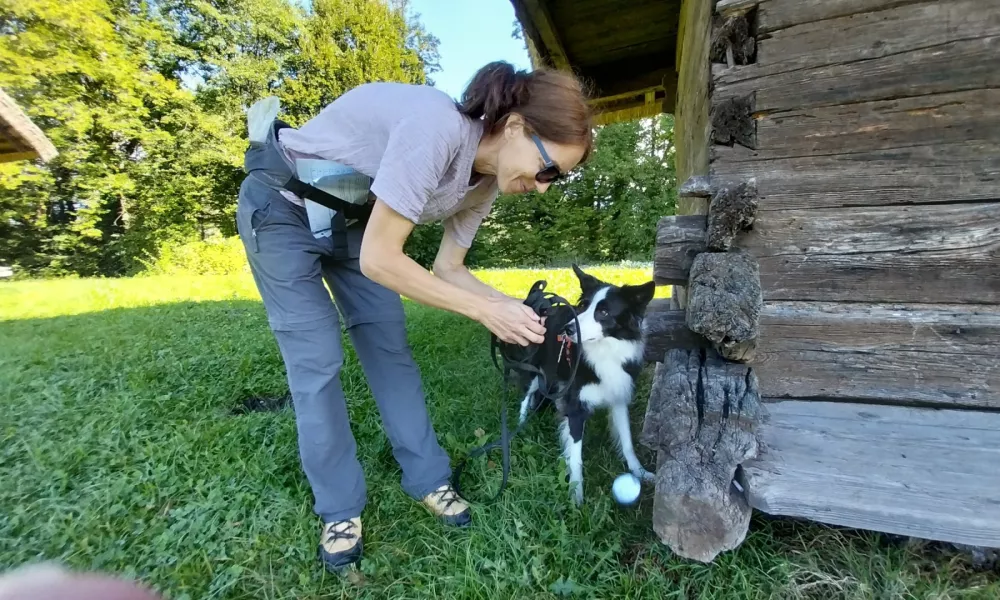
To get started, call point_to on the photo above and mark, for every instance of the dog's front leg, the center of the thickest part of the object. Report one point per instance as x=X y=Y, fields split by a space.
x=623 y=433
x=571 y=431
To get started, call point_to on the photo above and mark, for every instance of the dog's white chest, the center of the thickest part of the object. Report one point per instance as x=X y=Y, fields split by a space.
x=614 y=385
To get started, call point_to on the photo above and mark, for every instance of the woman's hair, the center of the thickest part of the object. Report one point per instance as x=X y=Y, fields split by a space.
x=552 y=103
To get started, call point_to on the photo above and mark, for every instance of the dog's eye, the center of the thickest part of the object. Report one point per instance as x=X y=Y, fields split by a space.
x=602 y=312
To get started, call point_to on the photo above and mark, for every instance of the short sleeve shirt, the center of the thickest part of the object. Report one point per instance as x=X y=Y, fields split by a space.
x=414 y=144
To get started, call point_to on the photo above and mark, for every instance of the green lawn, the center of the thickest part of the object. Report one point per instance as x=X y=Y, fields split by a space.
x=120 y=451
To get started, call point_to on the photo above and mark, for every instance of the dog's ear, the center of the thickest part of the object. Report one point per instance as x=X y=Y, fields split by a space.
x=587 y=282
x=639 y=296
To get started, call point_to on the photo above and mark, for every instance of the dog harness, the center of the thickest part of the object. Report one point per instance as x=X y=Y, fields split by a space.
x=559 y=314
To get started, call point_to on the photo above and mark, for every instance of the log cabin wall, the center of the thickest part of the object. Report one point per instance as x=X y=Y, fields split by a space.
x=872 y=130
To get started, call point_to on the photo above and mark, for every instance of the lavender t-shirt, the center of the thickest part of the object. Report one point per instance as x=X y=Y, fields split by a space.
x=415 y=145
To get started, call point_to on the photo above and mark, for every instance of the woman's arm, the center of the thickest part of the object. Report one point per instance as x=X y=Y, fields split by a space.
x=449 y=264
x=383 y=261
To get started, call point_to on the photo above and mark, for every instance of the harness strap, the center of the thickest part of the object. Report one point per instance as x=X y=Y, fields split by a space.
x=304 y=190
x=547 y=301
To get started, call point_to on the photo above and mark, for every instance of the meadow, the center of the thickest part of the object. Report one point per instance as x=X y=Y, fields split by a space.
x=125 y=447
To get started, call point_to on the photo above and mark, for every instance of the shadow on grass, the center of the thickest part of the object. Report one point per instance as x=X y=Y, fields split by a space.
x=121 y=451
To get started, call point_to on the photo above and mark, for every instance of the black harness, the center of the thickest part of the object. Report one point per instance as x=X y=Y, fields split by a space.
x=543 y=360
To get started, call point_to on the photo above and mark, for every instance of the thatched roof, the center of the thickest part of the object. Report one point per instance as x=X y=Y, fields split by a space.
x=20 y=139
x=625 y=49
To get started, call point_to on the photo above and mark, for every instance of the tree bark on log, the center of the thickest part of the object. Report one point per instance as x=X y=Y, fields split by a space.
x=700 y=419
x=725 y=301
x=733 y=209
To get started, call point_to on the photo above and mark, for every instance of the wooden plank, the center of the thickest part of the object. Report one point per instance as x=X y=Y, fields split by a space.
x=731 y=8
x=951 y=118
x=692 y=125
x=778 y=14
x=678 y=240
x=944 y=355
x=878 y=34
x=951 y=67
x=943 y=253
x=537 y=23
x=960 y=172
x=908 y=471
x=665 y=328
x=26 y=132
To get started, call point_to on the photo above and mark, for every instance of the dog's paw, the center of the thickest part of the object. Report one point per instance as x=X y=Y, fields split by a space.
x=576 y=493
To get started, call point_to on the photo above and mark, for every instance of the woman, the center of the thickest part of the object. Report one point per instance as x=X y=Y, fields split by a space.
x=429 y=159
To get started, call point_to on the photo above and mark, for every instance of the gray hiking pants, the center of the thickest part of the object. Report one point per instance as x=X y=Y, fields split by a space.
x=289 y=266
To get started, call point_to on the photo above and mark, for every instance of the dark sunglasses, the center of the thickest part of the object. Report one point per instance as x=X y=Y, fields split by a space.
x=551 y=171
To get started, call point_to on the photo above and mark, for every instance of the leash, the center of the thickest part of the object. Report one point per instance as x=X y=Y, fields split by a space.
x=518 y=358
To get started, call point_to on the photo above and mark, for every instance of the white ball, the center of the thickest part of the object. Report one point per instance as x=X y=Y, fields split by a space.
x=625 y=489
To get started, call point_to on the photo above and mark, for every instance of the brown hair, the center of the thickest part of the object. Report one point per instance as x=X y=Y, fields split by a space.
x=552 y=103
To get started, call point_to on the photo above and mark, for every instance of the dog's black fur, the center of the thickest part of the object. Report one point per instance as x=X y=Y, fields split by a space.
x=610 y=360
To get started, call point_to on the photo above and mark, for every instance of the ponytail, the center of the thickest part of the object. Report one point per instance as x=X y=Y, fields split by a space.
x=553 y=104
x=494 y=92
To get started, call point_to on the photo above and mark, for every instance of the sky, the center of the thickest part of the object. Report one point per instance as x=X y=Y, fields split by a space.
x=472 y=33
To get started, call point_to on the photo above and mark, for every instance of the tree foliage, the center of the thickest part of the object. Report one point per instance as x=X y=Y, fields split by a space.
x=146 y=103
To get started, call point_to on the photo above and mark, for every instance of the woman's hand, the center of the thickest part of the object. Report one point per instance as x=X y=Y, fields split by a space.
x=512 y=321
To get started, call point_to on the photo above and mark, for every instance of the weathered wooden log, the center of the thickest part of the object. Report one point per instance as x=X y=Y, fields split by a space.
x=678 y=241
x=665 y=327
x=700 y=419
x=733 y=209
x=724 y=302
x=733 y=122
x=730 y=8
x=733 y=42
x=697 y=186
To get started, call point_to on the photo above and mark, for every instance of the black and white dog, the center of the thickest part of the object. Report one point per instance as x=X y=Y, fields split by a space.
x=610 y=337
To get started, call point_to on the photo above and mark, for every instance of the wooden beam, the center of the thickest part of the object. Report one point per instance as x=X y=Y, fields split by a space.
x=966 y=64
x=678 y=240
x=692 y=125
x=934 y=253
x=877 y=34
x=779 y=14
x=20 y=126
x=735 y=8
x=937 y=119
x=943 y=355
x=537 y=13
x=925 y=473
x=923 y=174
x=700 y=419
x=665 y=328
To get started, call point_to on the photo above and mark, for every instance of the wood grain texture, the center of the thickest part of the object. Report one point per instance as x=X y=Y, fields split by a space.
x=960 y=172
x=951 y=118
x=905 y=354
x=925 y=473
x=700 y=419
x=692 y=126
x=951 y=67
x=731 y=8
x=665 y=328
x=678 y=240
x=943 y=253
x=778 y=14
x=878 y=34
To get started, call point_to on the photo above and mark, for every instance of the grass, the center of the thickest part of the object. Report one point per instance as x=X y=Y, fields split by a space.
x=120 y=451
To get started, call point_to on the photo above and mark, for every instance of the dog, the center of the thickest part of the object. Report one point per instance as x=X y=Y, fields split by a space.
x=609 y=319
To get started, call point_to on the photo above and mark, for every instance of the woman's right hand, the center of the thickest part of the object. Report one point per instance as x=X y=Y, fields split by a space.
x=512 y=321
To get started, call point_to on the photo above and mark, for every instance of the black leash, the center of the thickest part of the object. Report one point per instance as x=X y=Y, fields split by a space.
x=518 y=358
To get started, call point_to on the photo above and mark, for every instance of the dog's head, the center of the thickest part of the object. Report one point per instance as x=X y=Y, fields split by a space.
x=611 y=311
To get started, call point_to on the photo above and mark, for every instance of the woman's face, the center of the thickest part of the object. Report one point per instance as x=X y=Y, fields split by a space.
x=519 y=159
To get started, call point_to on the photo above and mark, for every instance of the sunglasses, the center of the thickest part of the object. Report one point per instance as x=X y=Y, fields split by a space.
x=550 y=172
